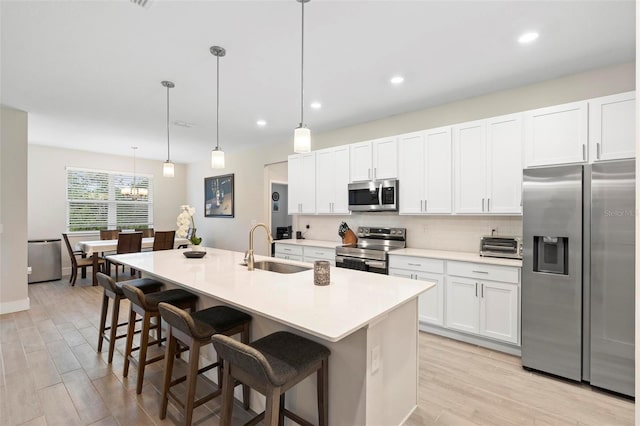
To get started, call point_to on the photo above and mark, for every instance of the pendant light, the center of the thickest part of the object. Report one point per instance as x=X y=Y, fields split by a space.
x=217 y=155
x=133 y=191
x=168 y=169
x=302 y=134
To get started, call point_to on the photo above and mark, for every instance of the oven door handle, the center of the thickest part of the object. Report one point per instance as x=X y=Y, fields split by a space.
x=376 y=264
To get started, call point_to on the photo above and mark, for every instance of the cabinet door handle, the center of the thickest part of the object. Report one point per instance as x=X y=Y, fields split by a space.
x=598 y=150
x=476 y=289
x=480 y=272
x=414 y=264
x=584 y=152
x=483 y=204
x=421 y=205
x=375 y=172
x=488 y=204
x=482 y=290
x=425 y=206
x=368 y=173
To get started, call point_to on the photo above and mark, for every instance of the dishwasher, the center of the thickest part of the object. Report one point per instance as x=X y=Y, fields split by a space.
x=44 y=260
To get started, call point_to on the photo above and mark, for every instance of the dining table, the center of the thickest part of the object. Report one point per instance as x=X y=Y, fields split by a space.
x=93 y=248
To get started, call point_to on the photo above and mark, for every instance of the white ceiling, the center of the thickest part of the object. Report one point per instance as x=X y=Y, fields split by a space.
x=89 y=72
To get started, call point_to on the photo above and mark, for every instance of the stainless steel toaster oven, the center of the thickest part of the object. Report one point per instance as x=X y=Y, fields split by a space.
x=509 y=247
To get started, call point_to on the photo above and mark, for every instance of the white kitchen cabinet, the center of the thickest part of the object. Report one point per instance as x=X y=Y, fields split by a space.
x=373 y=160
x=311 y=254
x=499 y=311
x=556 y=135
x=431 y=302
x=612 y=127
x=302 y=183
x=478 y=304
x=470 y=167
x=488 y=166
x=425 y=172
x=288 y=252
x=332 y=178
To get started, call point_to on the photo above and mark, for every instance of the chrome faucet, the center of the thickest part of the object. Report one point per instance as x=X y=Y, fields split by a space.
x=248 y=255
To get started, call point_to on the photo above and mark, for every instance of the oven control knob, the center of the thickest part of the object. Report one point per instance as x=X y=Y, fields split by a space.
x=366 y=230
x=393 y=231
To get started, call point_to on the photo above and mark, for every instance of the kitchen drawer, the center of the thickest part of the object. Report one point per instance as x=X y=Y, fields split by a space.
x=320 y=253
x=421 y=264
x=289 y=249
x=288 y=257
x=480 y=271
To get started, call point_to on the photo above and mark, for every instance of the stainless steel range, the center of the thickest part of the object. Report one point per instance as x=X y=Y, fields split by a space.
x=371 y=253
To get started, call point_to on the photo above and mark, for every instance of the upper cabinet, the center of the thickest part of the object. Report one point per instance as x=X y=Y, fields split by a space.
x=488 y=166
x=556 y=135
x=332 y=178
x=612 y=127
x=374 y=160
x=302 y=183
x=425 y=172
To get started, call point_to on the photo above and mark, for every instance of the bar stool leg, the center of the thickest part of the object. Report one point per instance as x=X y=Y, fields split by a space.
x=129 y=345
x=144 y=343
x=192 y=378
x=170 y=352
x=115 y=313
x=227 y=397
x=281 y=412
x=103 y=320
x=271 y=409
x=323 y=393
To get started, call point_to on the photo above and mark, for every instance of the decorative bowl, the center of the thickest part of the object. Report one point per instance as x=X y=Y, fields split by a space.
x=194 y=254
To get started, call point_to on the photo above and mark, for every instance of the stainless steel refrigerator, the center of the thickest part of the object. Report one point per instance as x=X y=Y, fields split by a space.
x=578 y=274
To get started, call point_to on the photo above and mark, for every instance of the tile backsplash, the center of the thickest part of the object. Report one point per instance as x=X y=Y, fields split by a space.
x=455 y=233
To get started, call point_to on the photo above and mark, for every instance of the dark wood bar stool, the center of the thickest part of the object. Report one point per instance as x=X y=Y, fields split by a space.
x=194 y=330
x=146 y=305
x=272 y=365
x=113 y=290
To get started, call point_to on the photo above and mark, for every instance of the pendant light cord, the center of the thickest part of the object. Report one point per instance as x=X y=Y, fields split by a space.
x=168 y=156
x=217 y=102
x=302 y=71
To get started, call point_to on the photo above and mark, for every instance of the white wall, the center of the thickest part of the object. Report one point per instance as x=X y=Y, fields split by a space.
x=47 y=190
x=451 y=233
x=13 y=211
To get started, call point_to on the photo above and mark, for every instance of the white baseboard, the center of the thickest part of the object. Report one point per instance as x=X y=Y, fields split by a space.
x=479 y=341
x=14 y=306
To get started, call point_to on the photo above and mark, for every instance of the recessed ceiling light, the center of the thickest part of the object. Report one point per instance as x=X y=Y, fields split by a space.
x=261 y=123
x=316 y=105
x=397 y=79
x=528 y=37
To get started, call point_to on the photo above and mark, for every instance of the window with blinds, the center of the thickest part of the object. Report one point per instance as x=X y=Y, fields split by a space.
x=98 y=199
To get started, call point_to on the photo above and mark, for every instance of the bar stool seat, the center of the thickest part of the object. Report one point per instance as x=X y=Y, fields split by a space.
x=194 y=330
x=113 y=290
x=146 y=305
x=272 y=365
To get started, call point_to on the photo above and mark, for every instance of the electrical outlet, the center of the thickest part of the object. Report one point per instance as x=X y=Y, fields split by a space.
x=29 y=270
x=375 y=359
x=308 y=226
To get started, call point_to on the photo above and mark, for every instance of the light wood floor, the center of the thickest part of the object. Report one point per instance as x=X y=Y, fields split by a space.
x=52 y=375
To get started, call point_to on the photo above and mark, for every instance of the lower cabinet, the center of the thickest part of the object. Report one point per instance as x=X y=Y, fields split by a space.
x=305 y=253
x=486 y=308
x=471 y=304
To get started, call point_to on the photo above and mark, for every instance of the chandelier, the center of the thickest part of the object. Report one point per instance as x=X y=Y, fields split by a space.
x=133 y=191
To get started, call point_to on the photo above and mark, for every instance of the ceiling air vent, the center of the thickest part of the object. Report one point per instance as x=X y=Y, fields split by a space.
x=144 y=3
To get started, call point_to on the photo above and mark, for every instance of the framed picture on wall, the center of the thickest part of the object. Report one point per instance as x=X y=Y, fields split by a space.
x=219 y=196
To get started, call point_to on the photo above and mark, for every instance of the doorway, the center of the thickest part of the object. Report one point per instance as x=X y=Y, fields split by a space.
x=281 y=221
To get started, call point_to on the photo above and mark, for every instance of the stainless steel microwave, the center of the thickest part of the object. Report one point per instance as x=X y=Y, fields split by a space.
x=373 y=196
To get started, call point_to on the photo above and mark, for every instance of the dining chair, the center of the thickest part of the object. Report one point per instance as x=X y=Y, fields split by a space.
x=128 y=242
x=78 y=263
x=148 y=233
x=164 y=240
x=109 y=234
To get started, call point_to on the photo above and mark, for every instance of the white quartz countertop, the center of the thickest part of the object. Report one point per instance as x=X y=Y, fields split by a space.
x=310 y=243
x=456 y=255
x=351 y=301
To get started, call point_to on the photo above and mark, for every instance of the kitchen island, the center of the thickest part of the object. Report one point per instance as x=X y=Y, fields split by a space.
x=369 y=321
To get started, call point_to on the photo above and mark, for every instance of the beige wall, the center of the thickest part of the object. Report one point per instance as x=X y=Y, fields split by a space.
x=13 y=210
x=47 y=190
x=443 y=232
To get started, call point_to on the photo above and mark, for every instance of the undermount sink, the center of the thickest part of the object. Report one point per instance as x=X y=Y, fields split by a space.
x=281 y=268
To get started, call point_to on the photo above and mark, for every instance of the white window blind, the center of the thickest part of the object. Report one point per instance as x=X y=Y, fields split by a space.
x=95 y=200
